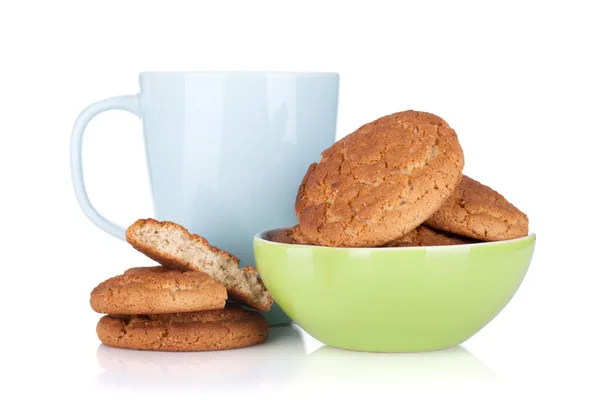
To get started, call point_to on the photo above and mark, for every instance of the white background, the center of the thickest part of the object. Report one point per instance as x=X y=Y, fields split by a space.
x=519 y=81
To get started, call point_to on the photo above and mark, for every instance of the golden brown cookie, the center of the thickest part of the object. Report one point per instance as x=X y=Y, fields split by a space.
x=380 y=182
x=283 y=236
x=289 y=236
x=173 y=246
x=157 y=290
x=424 y=236
x=229 y=328
x=477 y=211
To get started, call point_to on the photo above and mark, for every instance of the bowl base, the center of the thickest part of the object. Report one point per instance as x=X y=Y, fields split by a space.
x=407 y=351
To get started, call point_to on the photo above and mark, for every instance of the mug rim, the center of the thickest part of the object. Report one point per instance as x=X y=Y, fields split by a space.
x=240 y=73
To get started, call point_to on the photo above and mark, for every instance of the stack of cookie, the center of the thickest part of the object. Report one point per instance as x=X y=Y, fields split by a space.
x=186 y=304
x=397 y=181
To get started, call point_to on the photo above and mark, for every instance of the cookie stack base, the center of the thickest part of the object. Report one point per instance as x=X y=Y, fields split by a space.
x=229 y=328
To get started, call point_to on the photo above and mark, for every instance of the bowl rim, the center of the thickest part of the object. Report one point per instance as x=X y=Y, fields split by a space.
x=261 y=237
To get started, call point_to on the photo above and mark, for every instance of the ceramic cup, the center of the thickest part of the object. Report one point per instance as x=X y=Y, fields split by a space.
x=226 y=151
x=404 y=299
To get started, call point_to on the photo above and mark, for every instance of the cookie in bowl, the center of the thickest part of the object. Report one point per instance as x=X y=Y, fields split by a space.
x=291 y=235
x=424 y=236
x=477 y=211
x=380 y=182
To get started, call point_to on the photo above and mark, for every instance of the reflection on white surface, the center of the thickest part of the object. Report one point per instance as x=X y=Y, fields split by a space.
x=268 y=364
x=282 y=362
x=328 y=364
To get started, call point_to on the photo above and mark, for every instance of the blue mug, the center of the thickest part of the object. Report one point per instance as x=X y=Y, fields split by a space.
x=226 y=151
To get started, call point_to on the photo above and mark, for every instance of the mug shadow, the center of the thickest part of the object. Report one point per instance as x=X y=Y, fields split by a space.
x=260 y=366
x=328 y=365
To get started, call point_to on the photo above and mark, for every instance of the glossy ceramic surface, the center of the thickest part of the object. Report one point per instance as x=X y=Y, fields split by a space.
x=226 y=151
x=393 y=299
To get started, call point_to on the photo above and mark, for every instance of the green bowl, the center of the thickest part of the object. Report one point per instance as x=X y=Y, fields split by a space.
x=404 y=299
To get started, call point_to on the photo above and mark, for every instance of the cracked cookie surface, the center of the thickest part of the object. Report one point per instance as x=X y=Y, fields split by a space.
x=153 y=290
x=229 y=328
x=173 y=246
x=477 y=211
x=380 y=182
x=424 y=236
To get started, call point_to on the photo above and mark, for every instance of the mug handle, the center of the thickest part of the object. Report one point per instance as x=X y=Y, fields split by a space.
x=127 y=103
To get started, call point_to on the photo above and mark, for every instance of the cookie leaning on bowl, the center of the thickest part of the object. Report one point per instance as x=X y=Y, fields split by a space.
x=228 y=328
x=477 y=211
x=173 y=246
x=380 y=182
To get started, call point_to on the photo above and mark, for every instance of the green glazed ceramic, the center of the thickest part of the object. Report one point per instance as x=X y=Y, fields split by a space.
x=393 y=299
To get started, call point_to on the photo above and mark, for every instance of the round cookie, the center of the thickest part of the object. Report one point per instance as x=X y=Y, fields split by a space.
x=229 y=328
x=289 y=236
x=283 y=236
x=477 y=211
x=424 y=236
x=380 y=182
x=156 y=290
